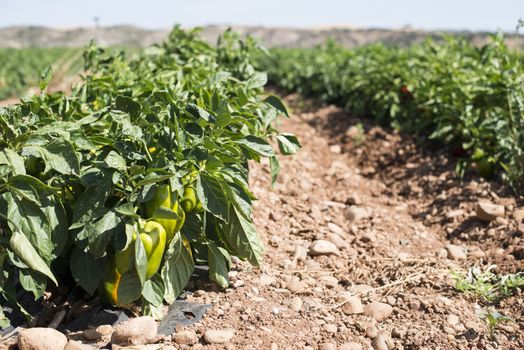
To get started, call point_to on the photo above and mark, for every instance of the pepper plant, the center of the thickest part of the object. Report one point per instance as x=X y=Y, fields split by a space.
x=139 y=174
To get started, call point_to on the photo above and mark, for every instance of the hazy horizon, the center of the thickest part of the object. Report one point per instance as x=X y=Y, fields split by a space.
x=479 y=15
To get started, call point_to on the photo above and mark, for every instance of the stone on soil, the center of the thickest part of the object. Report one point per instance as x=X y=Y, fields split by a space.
x=186 y=337
x=327 y=346
x=336 y=229
x=352 y=306
x=322 y=247
x=379 y=311
x=355 y=213
x=455 y=252
x=351 y=346
x=218 y=336
x=75 y=345
x=487 y=211
x=338 y=241
x=379 y=343
x=41 y=339
x=136 y=331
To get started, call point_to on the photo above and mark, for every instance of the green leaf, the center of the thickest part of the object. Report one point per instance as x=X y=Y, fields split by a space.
x=277 y=103
x=59 y=155
x=218 y=270
x=154 y=290
x=130 y=288
x=257 y=145
x=11 y=158
x=241 y=236
x=115 y=161
x=45 y=78
x=126 y=104
x=33 y=281
x=86 y=270
x=257 y=80
x=140 y=260
x=23 y=248
x=288 y=143
x=177 y=269
x=212 y=196
x=99 y=233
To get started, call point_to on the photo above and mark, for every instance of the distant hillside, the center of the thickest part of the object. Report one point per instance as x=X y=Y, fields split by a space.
x=30 y=36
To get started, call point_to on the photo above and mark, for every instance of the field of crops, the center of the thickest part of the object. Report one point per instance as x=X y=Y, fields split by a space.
x=159 y=185
x=467 y=98
x=22 y=69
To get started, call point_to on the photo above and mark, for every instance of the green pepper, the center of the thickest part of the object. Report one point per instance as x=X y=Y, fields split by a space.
x=153 y=237
x=110 y=283
x=190 y=203
x=163 y=199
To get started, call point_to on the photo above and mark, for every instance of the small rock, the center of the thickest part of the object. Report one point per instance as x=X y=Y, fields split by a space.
x=379 y=311
x=336 y=149
x=379 y=343
x=266 y=280
x=135 y=331
x=336 y=229
x=105 y=330
x=296 y=304
x=296 y=287
x=353 y=306
x=452 y=319
x=355 y=213
x=371 y=332
x=518 y=215
x=185 y=337
x=398 y=333
x=368 y=237
x=322 y=247
x=351 y=346
x=76 y=345
x=330 y=328
x=199 y=293
x=91 y=335
x=218 y=336
x=300 y=253
x=477 y=253
x=454 y=213
x=338 y=241
x=353 y=199
x=487 y=211
x=327 y=346
x=455 y=252
x=329 y=281
x=41 y=339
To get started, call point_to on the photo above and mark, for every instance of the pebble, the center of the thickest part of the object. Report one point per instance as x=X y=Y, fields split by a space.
x=185 y=337
x=455 y=252
x=336 y=229
x=91 y=335
x=368 y=237
x=300 y=253
x=351 y=346
x=379 y=311
x=76 y=345
x=322 y=247
x=105 y=330
x=452 y=320
x=296 y=287
x=329 y=281
x=336 y=149
x=356 y=213
x=338 y=241
x=330 y=328
x=218 y=336
x=327 y=346
x=296 y=304
x=371 y=332
x=487 y=211
x=353 y=306
x=398 y=333
x=41 y=339
x=135 y=331
x=379 y=343
x=518 y=215
x=266 y=280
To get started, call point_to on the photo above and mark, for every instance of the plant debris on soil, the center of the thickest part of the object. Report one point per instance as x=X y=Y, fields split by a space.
x=363 y=230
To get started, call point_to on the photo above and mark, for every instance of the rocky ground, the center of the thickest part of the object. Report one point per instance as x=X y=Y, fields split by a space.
x=362 y=230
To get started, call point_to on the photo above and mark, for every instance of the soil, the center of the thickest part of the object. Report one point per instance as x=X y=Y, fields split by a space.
x=415 y=206
x=392 y=207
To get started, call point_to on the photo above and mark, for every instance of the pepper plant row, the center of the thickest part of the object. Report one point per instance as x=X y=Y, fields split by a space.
x=468 y=98
x=139 y=174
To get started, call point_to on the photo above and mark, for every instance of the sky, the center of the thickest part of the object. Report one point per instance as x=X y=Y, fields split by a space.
x=156 y=14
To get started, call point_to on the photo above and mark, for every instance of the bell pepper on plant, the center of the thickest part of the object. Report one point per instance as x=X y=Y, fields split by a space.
x=190 y=202
x=163 y=199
